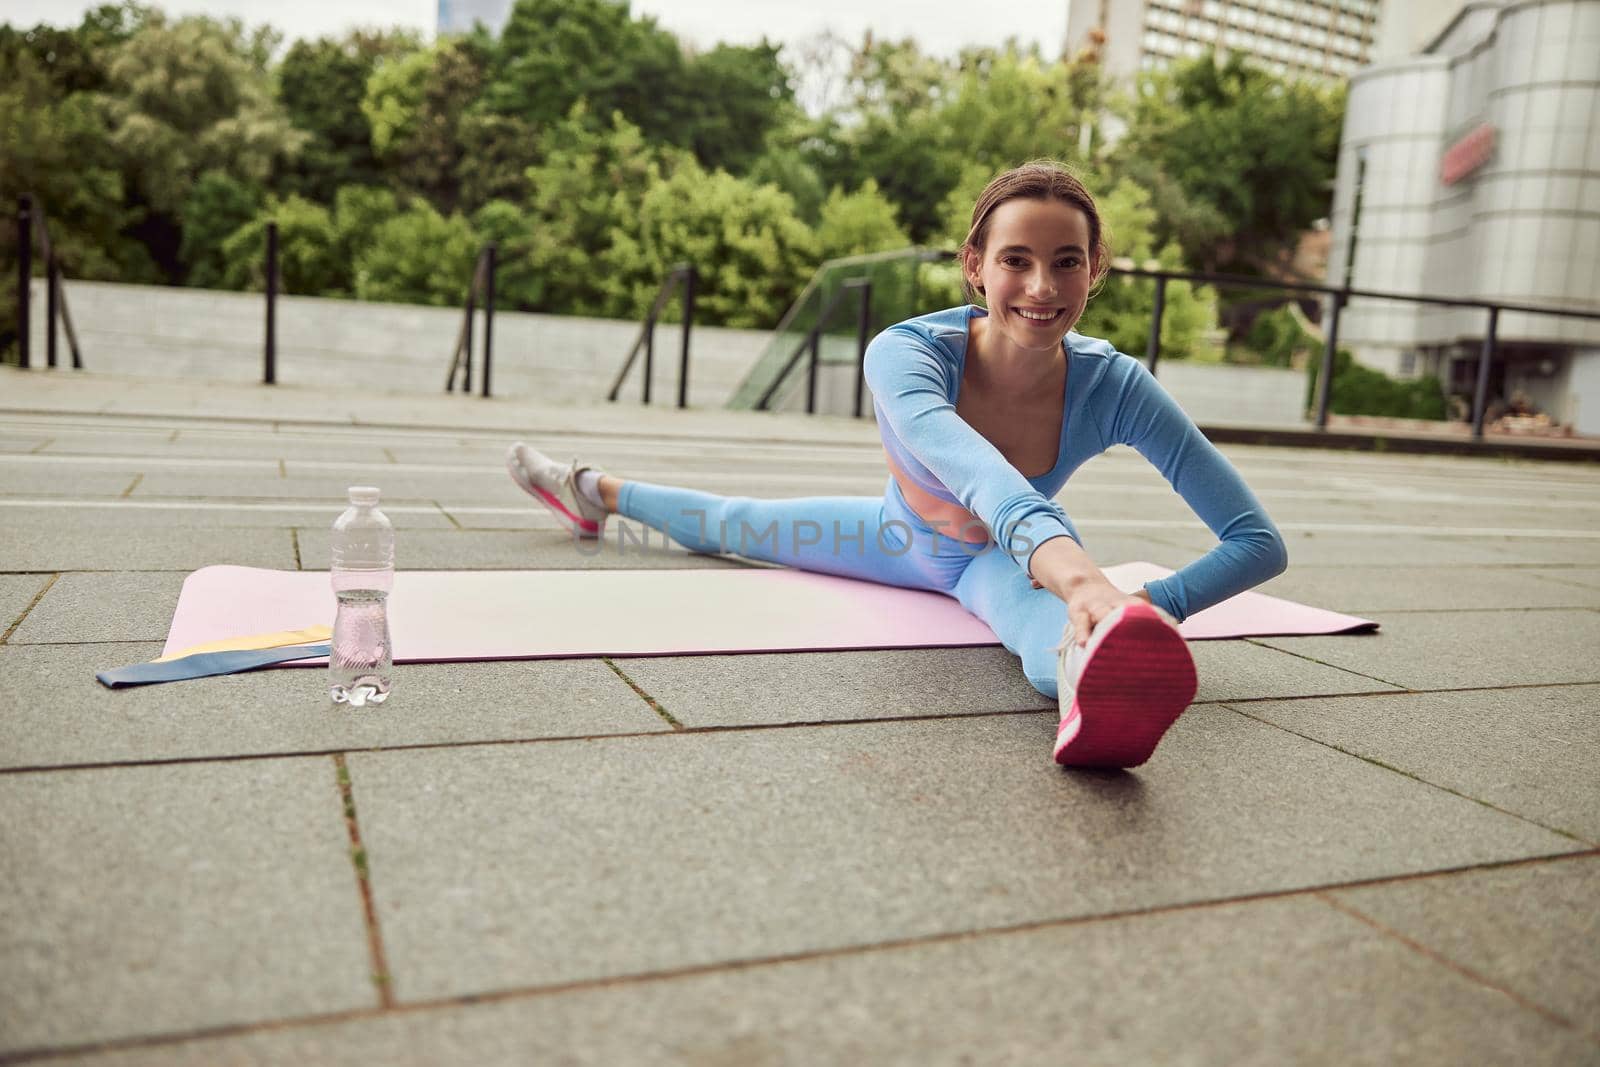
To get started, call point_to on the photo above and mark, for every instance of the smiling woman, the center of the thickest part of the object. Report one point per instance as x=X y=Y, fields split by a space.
x=984 y=412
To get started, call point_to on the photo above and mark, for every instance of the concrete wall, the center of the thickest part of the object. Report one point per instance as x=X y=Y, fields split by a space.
x=165 y=332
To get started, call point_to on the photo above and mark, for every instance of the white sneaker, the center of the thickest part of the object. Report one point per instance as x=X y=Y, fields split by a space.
x=1121 y=691
x=556 y=487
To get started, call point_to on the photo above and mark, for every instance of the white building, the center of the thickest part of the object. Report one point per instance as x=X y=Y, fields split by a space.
x=458 y=16
x=1315 y=39
x=1472 y=170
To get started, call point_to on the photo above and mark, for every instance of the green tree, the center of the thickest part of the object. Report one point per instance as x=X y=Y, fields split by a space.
x=859 y=222
x=416 y=106
x=418 y=257
x=1258 y=150
x=215 y=209
x=193 y=96
x=308 y=260
x=59 y=151
x=739 y=94
x=322 y=84
x=358 y=211
x=586 y=192
x=753 y=251
x=184 y=98
x=553 y=53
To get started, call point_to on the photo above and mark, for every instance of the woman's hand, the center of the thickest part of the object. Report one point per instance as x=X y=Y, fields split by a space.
x=1062 y=567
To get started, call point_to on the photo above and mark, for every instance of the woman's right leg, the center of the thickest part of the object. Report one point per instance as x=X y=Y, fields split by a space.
x=848 y=536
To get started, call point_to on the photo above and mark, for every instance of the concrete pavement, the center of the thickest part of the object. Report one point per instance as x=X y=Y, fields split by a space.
x=1353 y=849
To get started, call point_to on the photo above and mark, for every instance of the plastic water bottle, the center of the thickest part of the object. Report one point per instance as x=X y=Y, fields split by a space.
x=361 y=660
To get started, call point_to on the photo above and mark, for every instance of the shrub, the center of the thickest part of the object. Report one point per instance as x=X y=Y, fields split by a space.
x=1359 y=390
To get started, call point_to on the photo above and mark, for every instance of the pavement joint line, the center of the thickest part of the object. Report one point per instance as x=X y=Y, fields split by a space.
x=467 y=1000
x=655 y=705
x=382 y=979
x=1261 y=643
x=5 y=638
x=1401 y=692
x=1419 y=779
x=1461 y=969
x=449 y=516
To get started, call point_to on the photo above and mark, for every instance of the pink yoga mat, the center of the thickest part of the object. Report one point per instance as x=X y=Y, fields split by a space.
x=438 y=616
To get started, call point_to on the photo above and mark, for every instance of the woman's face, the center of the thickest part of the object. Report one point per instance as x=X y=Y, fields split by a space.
x=1035 y=271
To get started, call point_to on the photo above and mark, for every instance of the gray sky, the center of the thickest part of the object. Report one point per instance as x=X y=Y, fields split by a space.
x=940 y=26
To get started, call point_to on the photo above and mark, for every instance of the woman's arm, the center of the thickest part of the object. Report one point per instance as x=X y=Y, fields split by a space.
x=1251 y=550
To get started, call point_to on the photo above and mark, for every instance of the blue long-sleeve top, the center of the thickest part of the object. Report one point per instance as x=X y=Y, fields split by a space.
x=914 y=370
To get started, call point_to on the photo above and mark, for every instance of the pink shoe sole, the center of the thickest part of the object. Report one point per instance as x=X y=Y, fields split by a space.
x=1137 y=683
x=580 y=526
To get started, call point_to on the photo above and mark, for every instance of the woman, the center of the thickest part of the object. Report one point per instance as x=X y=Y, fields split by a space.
x=984 y=413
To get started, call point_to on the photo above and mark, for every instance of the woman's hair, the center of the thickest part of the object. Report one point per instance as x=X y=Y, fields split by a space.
x=1041 y=179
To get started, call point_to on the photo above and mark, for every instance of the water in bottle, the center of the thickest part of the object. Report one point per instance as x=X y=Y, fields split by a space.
x=361 y=660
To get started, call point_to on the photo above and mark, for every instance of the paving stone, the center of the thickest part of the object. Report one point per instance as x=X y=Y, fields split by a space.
x=16 y=593
x=834 y=686
x=74 y=481
x=1460 y=649
x=185 y=515
x=1581 y=577
x=329 y=490
x=143 y=900
x=23 y=442
x=1528 y=751
x=69 y=718
x=1583 y=553
x=1318 y=987
x=1244 y=670
x=1376 y=589
x=78 y=545
x=103 y=607
x=497 y=867
x=1322 y=548
x=1532 y=928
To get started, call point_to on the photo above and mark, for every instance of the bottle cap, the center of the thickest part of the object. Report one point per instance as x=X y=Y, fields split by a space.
x=363 y=494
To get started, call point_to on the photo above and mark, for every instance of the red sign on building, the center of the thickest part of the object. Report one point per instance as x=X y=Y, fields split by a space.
x=1467 y=154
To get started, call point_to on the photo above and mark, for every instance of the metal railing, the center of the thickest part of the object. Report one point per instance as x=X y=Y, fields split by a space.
x=689 y=278
x=812 y=342
x=1338 y=297
x=269 y=354
x=482 y=283
x=55 y=296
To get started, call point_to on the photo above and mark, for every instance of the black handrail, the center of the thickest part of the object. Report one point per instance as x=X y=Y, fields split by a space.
x=269 y=355
x=812 y=341
x=689 y=277
x=1339 y=296
x=55 y=295
x=482 y=281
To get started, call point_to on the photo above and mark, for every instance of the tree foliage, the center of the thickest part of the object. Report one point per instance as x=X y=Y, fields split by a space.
x=859 y=222
x=1254 y=152
x=753 y=252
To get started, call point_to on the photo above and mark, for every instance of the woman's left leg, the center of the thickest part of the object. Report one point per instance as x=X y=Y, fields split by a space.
x=1028 y=621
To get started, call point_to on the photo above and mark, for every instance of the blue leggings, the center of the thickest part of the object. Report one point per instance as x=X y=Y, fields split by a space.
x=879 y=540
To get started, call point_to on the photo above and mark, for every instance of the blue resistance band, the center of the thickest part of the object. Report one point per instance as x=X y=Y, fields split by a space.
x=206 y=665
